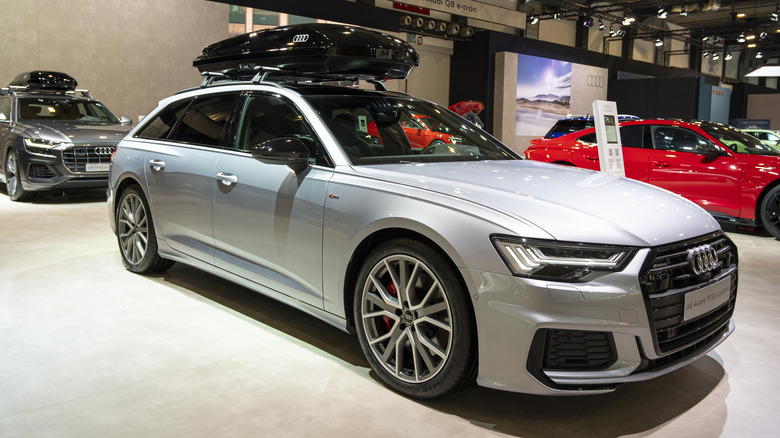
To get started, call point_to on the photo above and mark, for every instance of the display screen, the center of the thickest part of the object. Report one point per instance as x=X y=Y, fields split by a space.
x=611 y=128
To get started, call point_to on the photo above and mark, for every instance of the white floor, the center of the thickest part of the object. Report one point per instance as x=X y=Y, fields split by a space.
x=88 y=349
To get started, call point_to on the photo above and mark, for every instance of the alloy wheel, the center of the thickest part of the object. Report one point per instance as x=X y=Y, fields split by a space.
x=133 y=229
x=12 y=177
x=407 y=319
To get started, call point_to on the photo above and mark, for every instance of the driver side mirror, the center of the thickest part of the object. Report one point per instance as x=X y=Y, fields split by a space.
x=125 y=121
x=288 y=151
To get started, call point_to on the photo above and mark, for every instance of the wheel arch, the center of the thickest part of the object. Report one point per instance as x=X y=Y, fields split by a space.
x=761 y=197
x=376 y=239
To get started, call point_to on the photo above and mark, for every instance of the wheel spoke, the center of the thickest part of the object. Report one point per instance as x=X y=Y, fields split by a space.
x=421 y=344
x=386 y=297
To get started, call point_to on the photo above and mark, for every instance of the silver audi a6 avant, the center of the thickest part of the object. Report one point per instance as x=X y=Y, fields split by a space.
x=452 y=262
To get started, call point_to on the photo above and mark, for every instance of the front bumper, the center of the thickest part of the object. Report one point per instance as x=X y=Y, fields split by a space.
x=74 y=167
x=601 y=331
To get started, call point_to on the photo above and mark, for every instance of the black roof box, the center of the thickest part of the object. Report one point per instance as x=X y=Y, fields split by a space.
x=44 y=80
x=311 y=49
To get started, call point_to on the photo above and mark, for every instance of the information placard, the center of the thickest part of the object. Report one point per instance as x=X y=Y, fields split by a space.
x=605 y=118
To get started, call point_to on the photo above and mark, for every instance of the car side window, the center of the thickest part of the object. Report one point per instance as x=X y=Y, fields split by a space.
x=162 y=124
x=632 y=136
x=673 y=138
x=205 y=121
x=266 y=117
x=589 y=138
x=5 y=108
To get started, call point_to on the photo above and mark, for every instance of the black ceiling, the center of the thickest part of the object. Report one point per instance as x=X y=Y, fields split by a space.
x=727 y=20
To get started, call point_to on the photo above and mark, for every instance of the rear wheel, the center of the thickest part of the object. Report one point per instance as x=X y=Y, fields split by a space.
x=770 y=212
x=13 y=180
x=414 y=321
x=136 y=236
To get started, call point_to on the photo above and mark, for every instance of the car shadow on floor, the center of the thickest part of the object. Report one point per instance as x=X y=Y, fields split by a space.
x=697 y=390
x=70 y=197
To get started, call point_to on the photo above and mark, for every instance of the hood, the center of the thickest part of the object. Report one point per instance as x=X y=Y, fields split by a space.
x=569 y=204
x=77 y=133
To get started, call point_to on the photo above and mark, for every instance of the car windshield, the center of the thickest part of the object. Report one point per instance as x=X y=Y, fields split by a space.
x=389 y=130
x=88 y=112
x=738 y=141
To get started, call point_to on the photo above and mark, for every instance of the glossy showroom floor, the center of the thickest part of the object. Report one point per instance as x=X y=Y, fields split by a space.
x=88 y=349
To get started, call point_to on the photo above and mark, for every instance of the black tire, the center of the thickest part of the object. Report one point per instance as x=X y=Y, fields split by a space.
x=13 y=179
x=135 y=234
x=435 y=316
x=436 y=142
x=770 y=212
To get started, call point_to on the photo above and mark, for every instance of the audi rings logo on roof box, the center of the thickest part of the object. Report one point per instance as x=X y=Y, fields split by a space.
x=301 y=38
x=702 y=259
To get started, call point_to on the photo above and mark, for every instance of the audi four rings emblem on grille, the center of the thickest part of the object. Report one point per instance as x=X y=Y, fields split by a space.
x=301 y=38
x=104 y=150
x=702 y=259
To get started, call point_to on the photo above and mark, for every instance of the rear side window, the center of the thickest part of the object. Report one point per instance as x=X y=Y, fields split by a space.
x=162 y=124
x=632 y=136
x=567 y=126
x=205 y=121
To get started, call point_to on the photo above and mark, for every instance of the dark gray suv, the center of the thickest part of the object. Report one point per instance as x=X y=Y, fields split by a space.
x=53 y=136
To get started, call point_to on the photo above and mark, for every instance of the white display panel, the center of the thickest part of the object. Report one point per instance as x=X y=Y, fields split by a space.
x=605 y=118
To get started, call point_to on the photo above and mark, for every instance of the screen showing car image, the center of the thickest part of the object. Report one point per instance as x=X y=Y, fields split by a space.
x=611 y=128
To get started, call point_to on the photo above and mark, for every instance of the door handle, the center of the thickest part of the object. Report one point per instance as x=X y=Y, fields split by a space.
x=157 y=165
x=227 y=179
x=661 y=164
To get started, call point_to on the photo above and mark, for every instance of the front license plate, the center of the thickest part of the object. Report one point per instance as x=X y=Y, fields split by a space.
x=98 y=167
x=708 y=298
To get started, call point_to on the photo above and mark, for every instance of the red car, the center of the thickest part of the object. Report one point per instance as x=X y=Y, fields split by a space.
x=730 y=174
x=422 y=131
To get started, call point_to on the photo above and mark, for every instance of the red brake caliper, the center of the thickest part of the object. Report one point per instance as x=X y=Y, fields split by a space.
x=392 y=291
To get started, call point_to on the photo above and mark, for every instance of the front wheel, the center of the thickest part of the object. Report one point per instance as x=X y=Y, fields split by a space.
x=13 y=180
x=770 y=212
x=136 y=236
x=413 y=319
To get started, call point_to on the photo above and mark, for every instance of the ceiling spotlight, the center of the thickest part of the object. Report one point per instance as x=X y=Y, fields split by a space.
x=741 y=15
x=587 y=22
x=534 y=19
x=659 y=42
x=627 y=20
x=741 y=38
x=601 y=25
x=557 y=16
x=728 y=56
x=750 y=37
x=683 y=12
x=705 y=38
x=716 y=56
x=662 y=13
x=775 y=15
x=706 y=54
x=763 y=35
x=759 y=55
x=611 y=30
x=751 y=45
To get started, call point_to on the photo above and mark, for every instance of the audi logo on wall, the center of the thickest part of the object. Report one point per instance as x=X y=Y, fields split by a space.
x=596 y=81
x=301 y=38
x=702 y=259
x=104 y=150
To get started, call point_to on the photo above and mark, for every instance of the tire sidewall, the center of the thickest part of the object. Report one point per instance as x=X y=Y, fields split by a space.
x=458 y=367
x=774 y=231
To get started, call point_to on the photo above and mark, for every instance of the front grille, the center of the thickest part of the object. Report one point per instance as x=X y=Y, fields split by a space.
x=578 y=350
x=668 y=277
x=76 y=158
x=41 y=171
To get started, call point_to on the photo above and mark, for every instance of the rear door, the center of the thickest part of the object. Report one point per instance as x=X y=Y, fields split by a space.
x=679 y=163
x=180 y=170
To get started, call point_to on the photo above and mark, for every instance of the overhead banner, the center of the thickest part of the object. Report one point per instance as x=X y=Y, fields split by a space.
x=474 y=9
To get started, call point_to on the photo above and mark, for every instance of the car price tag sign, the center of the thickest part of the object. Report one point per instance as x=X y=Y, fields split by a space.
x=608 y=137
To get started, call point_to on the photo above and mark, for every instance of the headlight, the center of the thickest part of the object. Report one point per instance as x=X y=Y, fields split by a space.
x=40 y=146
x=558 y=260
